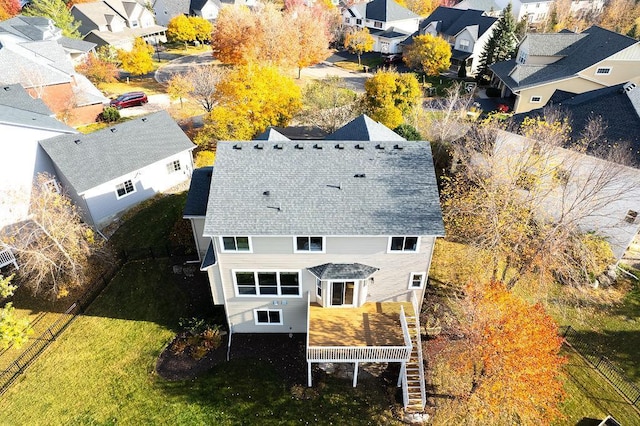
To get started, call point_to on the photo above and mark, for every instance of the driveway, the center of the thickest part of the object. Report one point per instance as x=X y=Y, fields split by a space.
x=156 y=103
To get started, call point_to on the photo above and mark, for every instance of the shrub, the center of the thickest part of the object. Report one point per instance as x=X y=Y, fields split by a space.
x=109 y=114
x=205 y=158
x=408 y=132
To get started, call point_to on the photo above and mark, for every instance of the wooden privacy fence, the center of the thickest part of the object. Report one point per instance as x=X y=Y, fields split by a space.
x=601 y=363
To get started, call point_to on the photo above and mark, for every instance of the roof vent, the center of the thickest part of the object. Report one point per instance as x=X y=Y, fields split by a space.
x=629 y=87
x=299 y=146
x=266 y=193
x=317 y=146
x=144 y=118
x=359 y=175
x=359 y=146
x=77 y=141
x=278 y=146
x=380 y=146
x=113 y=129
x=398 y=146
x=7 y=88
x=340 y=146
x=278 y=208
x=237 y=146
x=338 y=186
x=259 y=146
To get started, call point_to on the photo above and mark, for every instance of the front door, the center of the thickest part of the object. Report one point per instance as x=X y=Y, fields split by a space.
x=342 y=293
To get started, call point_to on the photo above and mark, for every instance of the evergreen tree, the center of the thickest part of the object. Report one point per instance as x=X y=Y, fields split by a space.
x=502 y=44
x=57 y=11
x=633 y=32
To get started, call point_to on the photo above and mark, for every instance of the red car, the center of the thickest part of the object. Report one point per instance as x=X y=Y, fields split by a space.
x=129 y=99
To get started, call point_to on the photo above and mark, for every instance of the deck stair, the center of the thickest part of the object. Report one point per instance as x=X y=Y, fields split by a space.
x=415 y=392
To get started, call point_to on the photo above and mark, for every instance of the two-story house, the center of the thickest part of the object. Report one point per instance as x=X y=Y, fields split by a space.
x=117 y=23
x=568 y=61
x=329 y=238
x=165 y=10
x=466 y=31
x=534 y=11
x=389 y=23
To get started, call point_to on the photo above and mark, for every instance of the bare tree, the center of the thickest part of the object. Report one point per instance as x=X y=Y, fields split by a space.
x=203 y=82
x=329 y=104
x=53 y=246
x=447 y=116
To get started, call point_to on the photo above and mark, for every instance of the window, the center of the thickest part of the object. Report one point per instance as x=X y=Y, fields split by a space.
x=416 y=280
x=173 y=166
x=125 y=188
x=236 y=244
x=401 y=244
x=464 y=44
x=358 y=21
x=377 y=24
x=522 y=57
x=267 y=316
x=346 y=20
x=267 y=283
x=51 y=185
x=631 y=217
x=603 y=71
x=313 y=244
x=318 y=287
x=536 y=99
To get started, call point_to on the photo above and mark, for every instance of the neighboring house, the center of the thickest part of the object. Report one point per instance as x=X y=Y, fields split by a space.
x=611 y=210
x=466 y=31
x=389 y=23
x=363 y=128
x=165 y=10
x=489 y=7
x=534 y=11
x=23 y=122
x=34 y=54
x=329 y=238
x=586 y=8
x=110 y=170
x=271 y=134
x=117 y=23
x=575 y=63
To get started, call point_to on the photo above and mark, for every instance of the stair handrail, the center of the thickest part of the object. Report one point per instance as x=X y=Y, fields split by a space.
x=416 y=310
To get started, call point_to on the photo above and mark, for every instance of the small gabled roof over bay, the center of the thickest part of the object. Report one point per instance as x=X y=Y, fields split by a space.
x=342 y=271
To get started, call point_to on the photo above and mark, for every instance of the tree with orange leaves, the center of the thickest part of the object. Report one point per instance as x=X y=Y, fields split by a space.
x=9 y=9
x=509 y=359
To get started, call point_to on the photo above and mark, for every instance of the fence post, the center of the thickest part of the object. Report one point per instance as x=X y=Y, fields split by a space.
x=51 y=333
x=599 y=361
x=637 y=399
x=566 y=331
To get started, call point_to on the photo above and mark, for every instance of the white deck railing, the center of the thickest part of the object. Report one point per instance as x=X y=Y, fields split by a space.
x=7 y=257
x=416 y=309
x=362 y=353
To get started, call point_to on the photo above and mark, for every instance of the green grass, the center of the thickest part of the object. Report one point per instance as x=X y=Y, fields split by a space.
x=101 y=371
x=136 y=84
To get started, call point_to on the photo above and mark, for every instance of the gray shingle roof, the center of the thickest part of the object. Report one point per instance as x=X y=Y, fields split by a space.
x=95 y=158
x=323 y=188
x=75 y=44
x=342 y=271
x=271 y=134
x=384 y=11
x=30 y=119
x=13 y=95
x=363 y=128
x=452 y=21
x=590 y=47
x=198 y=195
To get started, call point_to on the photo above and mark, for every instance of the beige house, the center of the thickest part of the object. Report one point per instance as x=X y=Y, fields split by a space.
x=566 y=61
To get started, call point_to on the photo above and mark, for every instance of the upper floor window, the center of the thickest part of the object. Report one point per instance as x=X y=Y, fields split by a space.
x=125 y=188
x=377 y=24
x=536 y=99
x=305 y=244
x=347 y=20
x=173 y=166
x=236 y=244
x=464 y=44
x=631 y=217
x=267 y=283
x=358 y=21
x=522 y=57
x=603 y=71
x=403 y=244
x=51 y=185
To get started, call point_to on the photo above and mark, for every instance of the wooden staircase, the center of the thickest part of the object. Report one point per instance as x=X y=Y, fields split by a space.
x=415 y=392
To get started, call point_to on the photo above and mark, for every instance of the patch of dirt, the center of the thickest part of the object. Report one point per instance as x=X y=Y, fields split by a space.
x=171 y=366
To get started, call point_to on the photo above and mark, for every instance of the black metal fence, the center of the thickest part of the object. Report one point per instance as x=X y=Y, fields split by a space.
x=612 y=373
x=11 y=373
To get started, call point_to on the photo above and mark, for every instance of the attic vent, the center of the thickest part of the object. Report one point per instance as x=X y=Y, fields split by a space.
x=380 y=146
x=299 y=146
x=259 y=146
x=237 y=146
x=278 y=146
x=77 y=142
x=113 y=129
x=359 y=146
x=7 y=88
x=266 y=193
x=144 y=118
x=317 y=146
x=359 y=175
x=629 y=87
x=339 y=146
x=398 y=146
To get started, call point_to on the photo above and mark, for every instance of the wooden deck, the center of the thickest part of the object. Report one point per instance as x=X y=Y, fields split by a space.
x=373 y=324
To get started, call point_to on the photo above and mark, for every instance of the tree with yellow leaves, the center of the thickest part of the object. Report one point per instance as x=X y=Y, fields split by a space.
x=139 y=60
x=358 y=41
x=180 y=29
x=428 y=53
x=390 y=96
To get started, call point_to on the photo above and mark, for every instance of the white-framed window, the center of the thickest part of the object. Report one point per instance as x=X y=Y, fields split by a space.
x=416 y=280
x=536 y=99
x=346 y=20
x=522 y=57
x=267 y=283
x=235 y=244
x=464 y=44
x=267 y=316
x=318 y=287
x=377 y=24
x=403 y=244
x=603 y=71
x=51 y=185
x=358 y=21
x=631 y=216
x=125 y=188
x=173 y=166
x=308 y=244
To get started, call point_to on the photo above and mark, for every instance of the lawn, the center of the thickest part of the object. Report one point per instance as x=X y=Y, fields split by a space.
x=135 y=84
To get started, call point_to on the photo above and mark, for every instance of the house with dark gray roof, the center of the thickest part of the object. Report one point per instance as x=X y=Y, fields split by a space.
x=23 y=122
x=575 y=63
x=332 y=238
x=466 y=31
x=111 y=170
x=364 y=128
x=388 y=22
x=165 y=10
